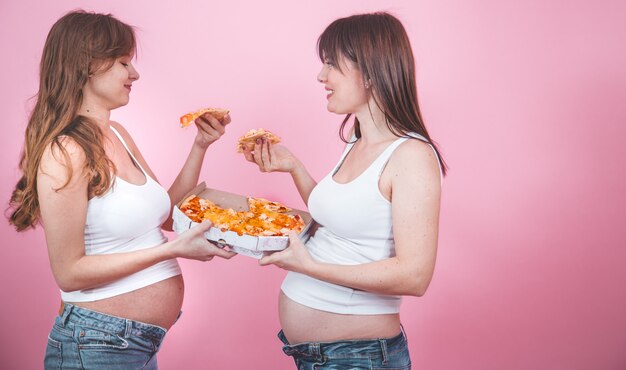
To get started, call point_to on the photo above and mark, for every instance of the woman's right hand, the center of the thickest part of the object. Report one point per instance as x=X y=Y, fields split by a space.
x=271 y=158
x=192 y=244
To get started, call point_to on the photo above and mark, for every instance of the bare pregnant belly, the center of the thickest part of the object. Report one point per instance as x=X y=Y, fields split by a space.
x=304 y=324
x=157 y=304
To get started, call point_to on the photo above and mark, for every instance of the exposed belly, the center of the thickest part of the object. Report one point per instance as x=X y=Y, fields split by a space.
x=304 y=324
x=156 y=304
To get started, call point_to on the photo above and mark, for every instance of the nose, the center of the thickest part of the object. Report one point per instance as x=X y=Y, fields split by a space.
x=134 y=75
x=321 y=76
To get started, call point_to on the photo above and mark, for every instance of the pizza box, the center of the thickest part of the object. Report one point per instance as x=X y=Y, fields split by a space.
x=252 y=246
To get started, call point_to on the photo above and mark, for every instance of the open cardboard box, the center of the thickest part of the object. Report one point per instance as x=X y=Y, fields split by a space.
x=252 y=246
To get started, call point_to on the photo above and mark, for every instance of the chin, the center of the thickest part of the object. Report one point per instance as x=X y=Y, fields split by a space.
x=121 y=103
x=333 y=109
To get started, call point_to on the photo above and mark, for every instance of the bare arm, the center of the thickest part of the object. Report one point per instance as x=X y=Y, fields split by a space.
x=415 y=184
x=63 y=214
x=209 y=131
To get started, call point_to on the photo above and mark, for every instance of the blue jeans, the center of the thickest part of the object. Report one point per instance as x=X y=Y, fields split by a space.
x=86 y=339
x=371 y=354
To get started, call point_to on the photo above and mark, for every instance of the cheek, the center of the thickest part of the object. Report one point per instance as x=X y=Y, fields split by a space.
x=358 y=95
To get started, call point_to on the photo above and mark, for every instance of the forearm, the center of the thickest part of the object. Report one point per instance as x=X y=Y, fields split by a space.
x=390 y=276
x=188 y=176
x=186 y=180
x=304 y=181
x=94 y=270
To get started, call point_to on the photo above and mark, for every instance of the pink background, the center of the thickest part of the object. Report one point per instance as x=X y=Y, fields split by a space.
x=525 y=98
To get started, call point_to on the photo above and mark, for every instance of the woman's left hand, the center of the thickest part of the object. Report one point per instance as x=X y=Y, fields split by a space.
x=209 y=129
x=295 y=258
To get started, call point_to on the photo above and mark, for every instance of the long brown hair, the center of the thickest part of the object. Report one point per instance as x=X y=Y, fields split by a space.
x=78 y=45
x=378 y=45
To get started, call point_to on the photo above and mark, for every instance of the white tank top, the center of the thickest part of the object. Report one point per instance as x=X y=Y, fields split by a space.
x=355 y=228
x=126 y=218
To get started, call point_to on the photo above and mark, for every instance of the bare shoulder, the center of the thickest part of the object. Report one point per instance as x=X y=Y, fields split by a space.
x=67 y=153
x=121 y=129
x=61 y=161
x=127 y=138
x=415 y=157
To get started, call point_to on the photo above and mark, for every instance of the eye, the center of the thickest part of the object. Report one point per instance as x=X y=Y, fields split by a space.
x=124 y=64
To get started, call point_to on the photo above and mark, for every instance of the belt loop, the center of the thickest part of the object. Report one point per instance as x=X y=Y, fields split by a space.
x=129 y=328
x=403 y=332
x=315 y=349
x=383 y=348
x=67 y=310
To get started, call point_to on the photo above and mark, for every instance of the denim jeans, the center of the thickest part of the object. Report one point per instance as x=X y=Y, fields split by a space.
x=86 y=339
x=371 y=354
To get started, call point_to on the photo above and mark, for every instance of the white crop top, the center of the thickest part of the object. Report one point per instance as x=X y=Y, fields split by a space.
x=355 y=227
x=126 y=218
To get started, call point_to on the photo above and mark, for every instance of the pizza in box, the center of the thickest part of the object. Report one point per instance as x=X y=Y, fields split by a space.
x=263 y=217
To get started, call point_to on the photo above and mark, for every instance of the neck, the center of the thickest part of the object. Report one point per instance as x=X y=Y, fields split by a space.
x=99 y=114
x=372 y=123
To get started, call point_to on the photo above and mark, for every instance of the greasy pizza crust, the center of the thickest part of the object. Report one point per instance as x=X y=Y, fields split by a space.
x=217 y=113
x=249 y=139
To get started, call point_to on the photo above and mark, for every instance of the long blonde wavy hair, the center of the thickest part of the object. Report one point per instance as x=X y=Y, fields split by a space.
x=78 y=45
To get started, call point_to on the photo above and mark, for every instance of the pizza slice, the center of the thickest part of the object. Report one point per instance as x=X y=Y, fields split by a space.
x=249 y=139
x=257 y=204
x=277 y=224
x=218 y=113
x=194 y=207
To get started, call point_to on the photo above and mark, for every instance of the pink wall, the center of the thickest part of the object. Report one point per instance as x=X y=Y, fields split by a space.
x=525 y=98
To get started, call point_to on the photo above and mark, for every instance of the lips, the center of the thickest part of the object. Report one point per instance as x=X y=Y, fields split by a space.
x=329 y=92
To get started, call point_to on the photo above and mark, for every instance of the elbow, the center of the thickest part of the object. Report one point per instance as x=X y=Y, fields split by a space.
x=417 y=288
x=419 y=291
x=67 y=285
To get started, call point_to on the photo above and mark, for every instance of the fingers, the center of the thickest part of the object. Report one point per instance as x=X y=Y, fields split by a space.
x=265 y=155
x=214 y=250
x=268 y=259
x=275 y=258
x=262 y=154
x=293 y=237
x=223 y=253
x=210 y=125
x=202 y=227
x=248 y=154
x=258 y=157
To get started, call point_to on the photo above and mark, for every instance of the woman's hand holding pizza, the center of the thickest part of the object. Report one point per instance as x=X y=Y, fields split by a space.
x=295 y=257
x=210 y=129
x=270 y=157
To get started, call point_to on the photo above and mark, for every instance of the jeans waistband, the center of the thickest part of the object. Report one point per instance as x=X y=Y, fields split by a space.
x=379 y=347
x=118 y=325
